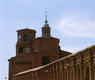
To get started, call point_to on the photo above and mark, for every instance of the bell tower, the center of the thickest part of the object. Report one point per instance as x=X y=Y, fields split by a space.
x=24 y=43
x=46 y=28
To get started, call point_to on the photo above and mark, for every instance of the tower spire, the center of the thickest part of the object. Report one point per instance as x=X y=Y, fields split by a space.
x=46 y=28
x=46 y=17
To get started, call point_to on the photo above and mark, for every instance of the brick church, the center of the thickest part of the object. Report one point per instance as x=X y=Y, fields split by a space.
x=40 y=58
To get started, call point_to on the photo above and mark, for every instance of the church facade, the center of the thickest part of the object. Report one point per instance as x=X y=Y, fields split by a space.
x=42 y=59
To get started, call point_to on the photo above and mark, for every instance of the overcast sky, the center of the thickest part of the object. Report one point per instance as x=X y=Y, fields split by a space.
x=72 y=21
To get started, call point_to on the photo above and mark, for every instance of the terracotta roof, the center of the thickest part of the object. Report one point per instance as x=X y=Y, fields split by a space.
x=13 y=58
x=46 y=38
x=26 y=29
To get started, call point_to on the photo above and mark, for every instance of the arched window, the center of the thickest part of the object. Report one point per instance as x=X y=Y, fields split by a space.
x=20 y=49
x=19 y=36
x=87 y=75
x=25 y=37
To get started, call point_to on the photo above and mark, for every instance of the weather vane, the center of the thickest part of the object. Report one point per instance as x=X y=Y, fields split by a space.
x=46 y=16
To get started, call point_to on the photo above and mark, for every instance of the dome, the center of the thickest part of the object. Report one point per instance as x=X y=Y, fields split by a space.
x=46 y=25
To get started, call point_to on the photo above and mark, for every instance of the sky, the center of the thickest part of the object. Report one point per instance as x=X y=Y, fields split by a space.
x=72 y=21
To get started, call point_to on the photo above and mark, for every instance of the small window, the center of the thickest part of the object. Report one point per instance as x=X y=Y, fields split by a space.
x=20 y=49
x=45 y=60
x=19 y=36
x=25 y=37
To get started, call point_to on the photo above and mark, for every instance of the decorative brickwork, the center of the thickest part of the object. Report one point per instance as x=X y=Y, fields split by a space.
x=42 y=59
x=32 y=52
x=77 y=66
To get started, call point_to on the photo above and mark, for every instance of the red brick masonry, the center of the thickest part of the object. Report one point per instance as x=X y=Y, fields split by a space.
x=77 y=66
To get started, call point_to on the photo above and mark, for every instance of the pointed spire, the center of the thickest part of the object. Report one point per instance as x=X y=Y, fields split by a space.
x=46 y=28
x=46 y=21
x=46 y=17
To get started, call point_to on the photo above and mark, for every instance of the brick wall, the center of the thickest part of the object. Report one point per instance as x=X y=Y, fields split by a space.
x=78 y=66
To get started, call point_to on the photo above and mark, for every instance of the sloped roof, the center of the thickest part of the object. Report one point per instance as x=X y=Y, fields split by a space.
x=38 y=68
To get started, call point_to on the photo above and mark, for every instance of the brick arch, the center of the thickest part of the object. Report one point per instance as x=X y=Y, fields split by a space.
x=78 y=70
x=57 y=71
x=71 y=73
x=87 y=73
x=65 y=74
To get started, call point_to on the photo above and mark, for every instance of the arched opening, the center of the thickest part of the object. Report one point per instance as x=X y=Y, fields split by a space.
x=65 y=74
x=87 y=75
x=25 y=37
x=72 y=74
x=78 y=73
x=21 y=49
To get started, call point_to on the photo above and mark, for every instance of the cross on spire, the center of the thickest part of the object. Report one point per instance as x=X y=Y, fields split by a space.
x=46 y=28
x=46 y=16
